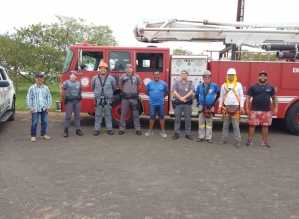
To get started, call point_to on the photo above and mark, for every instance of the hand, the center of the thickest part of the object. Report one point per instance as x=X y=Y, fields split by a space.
x=182 y=99
x=48 y=110
x=32 y=111
x=248 y=112
x=219 y=110
x=275 y=111
x=242 y=110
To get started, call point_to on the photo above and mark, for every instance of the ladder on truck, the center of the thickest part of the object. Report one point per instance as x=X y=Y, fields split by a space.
x=254 y=35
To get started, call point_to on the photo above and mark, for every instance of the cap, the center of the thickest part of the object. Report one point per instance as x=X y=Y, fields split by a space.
x=231 y=71
x=185 y=71
x=74 y=72
x=38 y=74
x=129 y=65
x=263 y=73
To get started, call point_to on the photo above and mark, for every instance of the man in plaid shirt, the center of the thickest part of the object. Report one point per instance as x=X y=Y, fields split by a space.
x=39 y=101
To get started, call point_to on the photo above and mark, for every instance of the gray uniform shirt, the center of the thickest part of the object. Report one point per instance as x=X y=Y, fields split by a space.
x=73 y=88
x=183 y=88
x=109 y=86
x=130 y=83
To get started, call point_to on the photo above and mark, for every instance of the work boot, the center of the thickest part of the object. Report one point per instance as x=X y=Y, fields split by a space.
x=78 y=132
x=66 y=132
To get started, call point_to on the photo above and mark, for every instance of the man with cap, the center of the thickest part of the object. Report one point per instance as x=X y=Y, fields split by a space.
x=183 y=91
x=103 y=86
x=205 y=94
x=260 y=112
x=39 y=101
x=231 y=104
x=130 y=85
x=71 y=92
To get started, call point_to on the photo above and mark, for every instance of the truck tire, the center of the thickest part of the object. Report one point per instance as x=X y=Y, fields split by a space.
x=116 y=113
x=13 y=110
x=292 y=119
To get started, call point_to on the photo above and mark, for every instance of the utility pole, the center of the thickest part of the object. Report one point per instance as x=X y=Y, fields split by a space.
x=240 y=18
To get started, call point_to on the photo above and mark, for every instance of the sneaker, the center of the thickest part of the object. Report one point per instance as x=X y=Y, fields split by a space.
x=45 y=137
x=265 y=144
x=249 y=143
x=222 y=142
x=238 y=144
x=163 y=134
x=149 y=133
x=33 y=139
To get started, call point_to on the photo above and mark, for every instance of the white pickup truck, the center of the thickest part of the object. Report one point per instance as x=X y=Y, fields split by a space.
x=7 y=97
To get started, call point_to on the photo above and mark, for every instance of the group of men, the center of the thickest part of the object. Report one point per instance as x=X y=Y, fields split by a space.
x=231 y=105
x=230 y=96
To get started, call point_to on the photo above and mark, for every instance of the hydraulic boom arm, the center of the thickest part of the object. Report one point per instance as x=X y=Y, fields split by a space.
x=253 y=35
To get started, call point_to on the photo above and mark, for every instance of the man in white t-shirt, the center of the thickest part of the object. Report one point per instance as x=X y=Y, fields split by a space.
x=231 y=104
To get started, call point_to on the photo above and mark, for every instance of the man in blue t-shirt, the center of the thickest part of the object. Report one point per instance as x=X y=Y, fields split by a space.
x=156 y=90
x=205 y=94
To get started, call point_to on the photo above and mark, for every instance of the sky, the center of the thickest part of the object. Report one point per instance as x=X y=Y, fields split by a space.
x=123 y=15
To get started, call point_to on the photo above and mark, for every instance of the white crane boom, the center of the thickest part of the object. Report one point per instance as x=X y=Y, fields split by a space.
x=253 y=35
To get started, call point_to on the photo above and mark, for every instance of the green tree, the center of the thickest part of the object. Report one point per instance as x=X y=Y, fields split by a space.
x=246 y=55
x=42 y=47
x=181 y=51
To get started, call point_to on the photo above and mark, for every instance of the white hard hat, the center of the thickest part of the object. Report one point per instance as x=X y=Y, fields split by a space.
x=231 y=71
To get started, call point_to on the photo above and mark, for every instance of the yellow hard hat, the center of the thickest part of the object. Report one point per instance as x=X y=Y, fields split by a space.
x=103 y=64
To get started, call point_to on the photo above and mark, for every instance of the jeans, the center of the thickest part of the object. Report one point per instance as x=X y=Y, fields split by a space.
x=34 y=121
x=236 y=128
x=157 y=109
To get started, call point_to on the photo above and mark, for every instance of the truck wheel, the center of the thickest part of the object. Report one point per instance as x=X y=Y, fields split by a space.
x=13 y=110
x=116 y=113
x=292 y=119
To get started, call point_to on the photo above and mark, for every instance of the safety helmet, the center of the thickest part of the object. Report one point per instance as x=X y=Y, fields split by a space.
x=206 y=72
x=231 y=71
x=103 y=64
x=74 y=72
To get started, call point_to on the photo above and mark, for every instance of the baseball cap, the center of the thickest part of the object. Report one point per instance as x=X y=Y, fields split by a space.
x=185 y=71
x=263 y=72
x=129 y=65
x=38 y=74
x=74 y=72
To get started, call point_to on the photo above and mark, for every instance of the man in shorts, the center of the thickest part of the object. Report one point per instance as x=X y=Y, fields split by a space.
x=260 y=112
x=156 y=90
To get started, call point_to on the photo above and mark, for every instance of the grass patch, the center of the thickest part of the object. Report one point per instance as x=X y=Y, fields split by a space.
x=23 y=89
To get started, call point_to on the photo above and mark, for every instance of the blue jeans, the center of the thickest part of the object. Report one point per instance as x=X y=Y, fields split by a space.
x=157 y=109
x=34 y=121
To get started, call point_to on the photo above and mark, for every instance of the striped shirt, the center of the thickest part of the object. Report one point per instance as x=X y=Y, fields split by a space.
x=39 y=98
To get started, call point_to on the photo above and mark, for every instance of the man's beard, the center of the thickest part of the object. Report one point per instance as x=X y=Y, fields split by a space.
x=263 y=81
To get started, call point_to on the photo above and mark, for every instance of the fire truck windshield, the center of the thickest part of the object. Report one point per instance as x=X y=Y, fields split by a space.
x=68 y=61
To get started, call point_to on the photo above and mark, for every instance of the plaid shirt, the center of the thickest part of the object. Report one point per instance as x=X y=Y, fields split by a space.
x=39 y=98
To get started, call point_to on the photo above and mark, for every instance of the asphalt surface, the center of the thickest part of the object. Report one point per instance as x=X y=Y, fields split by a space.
x=143 y=177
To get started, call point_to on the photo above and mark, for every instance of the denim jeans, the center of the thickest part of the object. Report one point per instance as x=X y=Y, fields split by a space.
x=157 y=109
x=236 y=128
x=34 y=121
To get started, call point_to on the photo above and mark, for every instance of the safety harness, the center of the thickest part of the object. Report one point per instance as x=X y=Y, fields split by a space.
x=232 y=112
x=206 y=109
x=103 y=101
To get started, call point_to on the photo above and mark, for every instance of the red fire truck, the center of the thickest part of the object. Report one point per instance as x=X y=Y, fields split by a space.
x=283 y=75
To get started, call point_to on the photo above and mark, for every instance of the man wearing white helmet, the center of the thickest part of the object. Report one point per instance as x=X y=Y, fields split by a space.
x=205 y=95
x=231 y=104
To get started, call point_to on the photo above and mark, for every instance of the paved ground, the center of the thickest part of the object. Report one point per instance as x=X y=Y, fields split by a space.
x=138 y=177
